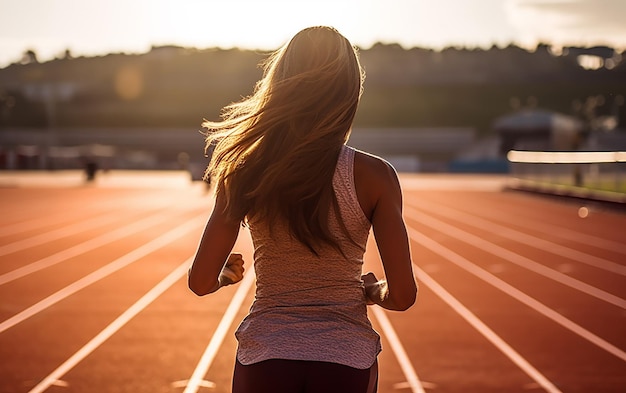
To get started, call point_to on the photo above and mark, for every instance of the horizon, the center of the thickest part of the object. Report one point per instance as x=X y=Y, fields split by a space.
x=589 y=62
x=94 y=28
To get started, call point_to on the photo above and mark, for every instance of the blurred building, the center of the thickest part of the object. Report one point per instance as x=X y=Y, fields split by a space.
x=535 y=129
x=408 y=149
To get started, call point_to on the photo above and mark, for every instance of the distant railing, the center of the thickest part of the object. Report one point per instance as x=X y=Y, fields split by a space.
x=581 y=171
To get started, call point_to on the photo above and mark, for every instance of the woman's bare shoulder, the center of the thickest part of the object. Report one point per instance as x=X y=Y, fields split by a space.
x=374 y=178
x=373 y=167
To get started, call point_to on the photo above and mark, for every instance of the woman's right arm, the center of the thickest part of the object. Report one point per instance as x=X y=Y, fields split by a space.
x=398 y=290
x=213 y=265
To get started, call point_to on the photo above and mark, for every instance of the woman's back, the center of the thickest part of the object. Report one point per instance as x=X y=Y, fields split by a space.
x=308 y=306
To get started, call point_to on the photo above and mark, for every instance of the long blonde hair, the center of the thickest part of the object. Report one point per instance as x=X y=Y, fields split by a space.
x=275 y=152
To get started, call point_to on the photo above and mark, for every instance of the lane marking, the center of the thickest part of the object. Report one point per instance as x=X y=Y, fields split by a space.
x=483 y=329
x=203 y=384
x=103 y=272
x=56 y=234
x=210 y=352
x=113 y=327
x=484 y=275
x=515 y=258
x=84 y=247
x=533 y=241
x=559 y=231
x=94 y=207
x=413 y=381
x=36 y=223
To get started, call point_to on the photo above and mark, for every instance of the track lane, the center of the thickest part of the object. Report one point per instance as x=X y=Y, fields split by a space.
x=488 y=242
x=539 y=226
x=158 y=349
x=55 y=376
x=468 y=346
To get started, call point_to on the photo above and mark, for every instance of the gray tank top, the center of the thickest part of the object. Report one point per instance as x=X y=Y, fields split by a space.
x=310 y=307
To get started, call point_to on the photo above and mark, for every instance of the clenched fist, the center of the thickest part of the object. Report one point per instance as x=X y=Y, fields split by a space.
x=375 y=289
x=233 y=269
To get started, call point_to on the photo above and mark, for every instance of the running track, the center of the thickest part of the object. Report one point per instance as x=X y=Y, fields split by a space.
x=518 y=293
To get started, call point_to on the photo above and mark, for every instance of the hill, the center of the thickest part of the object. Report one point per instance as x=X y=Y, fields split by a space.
x=178 y=87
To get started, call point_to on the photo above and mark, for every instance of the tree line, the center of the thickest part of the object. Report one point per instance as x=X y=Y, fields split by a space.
x=172 y=86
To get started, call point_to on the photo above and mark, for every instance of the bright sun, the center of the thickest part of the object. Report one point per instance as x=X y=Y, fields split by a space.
x=262 y=25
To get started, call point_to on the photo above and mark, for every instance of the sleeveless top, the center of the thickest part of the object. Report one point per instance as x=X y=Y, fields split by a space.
x=310 y=307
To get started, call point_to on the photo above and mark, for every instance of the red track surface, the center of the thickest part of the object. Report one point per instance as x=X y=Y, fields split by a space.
x=518 y=293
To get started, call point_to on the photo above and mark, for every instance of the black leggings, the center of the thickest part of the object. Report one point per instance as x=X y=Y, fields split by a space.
x=299 y=376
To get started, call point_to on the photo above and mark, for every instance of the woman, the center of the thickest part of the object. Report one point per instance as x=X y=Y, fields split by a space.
x=281 y=167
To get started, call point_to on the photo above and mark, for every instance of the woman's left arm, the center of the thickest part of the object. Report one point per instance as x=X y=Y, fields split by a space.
x=214 y=254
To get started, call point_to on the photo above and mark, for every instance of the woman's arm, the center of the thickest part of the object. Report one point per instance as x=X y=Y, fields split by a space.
x=398 y=290
x=214 y=266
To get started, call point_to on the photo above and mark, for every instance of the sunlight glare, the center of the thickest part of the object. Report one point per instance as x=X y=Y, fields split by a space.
x=535 y=24
x=244 y=23
x=129 y=82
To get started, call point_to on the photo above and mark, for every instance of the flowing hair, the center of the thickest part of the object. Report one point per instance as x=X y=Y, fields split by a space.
x=275 y=151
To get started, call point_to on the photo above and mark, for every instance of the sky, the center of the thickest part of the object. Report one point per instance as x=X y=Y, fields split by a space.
x=98 y=27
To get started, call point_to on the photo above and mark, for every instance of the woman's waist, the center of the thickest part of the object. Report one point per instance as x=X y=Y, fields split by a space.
x=310 y=294
x=295 y=313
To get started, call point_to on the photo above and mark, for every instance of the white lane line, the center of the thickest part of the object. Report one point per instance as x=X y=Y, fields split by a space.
x=559 y=231
x=78 y=210
x=403 y=359
x=515 y=258
x=36 y=209
x=220 y=333
x=33 y=223
x=103 y=272
x=483 y=329
x=56 y=234
x=514 y=292
x=84 y=247
x=113 y=327
x=12 y=229
x=524 y=238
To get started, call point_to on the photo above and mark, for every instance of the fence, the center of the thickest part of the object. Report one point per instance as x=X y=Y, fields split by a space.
x=589 y=173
